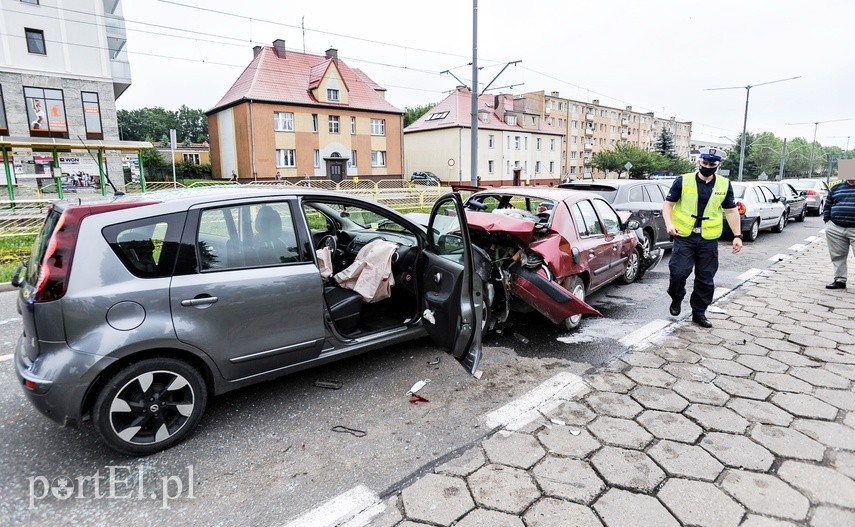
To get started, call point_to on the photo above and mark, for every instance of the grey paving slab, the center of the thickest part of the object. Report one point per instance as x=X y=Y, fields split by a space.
x=843 y=399
x=741 y=387
x=821 y=377
x=503 y=488
x=793 y=358
x=464 y=464
x=643 y=359
x=830 y=434
x=825 y=516
x=482 y=517
x=551 y=512
x=760 y=411
x=664 y=399
x=753 y=520
x=831 y=355
x=699 y=503
x=390 y=516
x=819 y=484
x=716 y=419
x=783 y=382
x=811 y=340
x=571 y=412
x=737 y=451
x=570 y=479
x=701 y=392
x=669 y=425
x=651 y=377
x=689 y=372
x=844 y=370
x=513 y=449
x=788 y=443
x=843 y=462
x=437 y=499
x=777 y=345
x=629 y=469
x=568 y=441
x=611 y=382
x=620 y=508
x=764 y=364
x=710 y=351
x=776 y=498
x=727 y=367
x=620 y=432
x=677 y=355
x=804 y=405
x=613 y=404
x=682 y=460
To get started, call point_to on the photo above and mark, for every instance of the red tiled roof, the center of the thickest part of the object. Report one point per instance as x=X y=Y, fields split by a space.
x=289 y=80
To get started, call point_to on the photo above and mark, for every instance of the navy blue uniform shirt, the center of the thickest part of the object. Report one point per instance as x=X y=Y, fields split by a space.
x=704 y=192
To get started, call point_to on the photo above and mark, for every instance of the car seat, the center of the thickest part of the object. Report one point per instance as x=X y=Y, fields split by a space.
x=268 y=243
x=345 y=306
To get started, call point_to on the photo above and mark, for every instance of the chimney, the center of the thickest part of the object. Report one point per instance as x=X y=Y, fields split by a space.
x=279 y=48
x=595 y=102
x=256 y=50
x=629 y=108
x=554 y=94
x=332 y=53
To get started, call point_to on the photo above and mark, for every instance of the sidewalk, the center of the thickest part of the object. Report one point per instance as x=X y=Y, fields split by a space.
x=749 y=423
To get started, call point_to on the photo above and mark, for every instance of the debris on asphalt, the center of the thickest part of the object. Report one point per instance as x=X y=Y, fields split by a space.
x=352 y=431
x=434 y=362
x=326 y=383
x=416 y=399
x=521 y=338
x=557 y=422
x=575 y=432
x=418 y=386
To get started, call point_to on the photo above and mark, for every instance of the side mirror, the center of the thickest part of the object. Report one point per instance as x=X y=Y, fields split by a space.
x=803 y=193
x=633 y=225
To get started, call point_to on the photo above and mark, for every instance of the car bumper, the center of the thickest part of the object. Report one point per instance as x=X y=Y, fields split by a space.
x=550 y=299
x=813 y=203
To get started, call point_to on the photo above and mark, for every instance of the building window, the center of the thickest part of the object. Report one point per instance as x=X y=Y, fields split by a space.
x=378 y=126
x=552 y=167
x=283 y=121
x=332 y=95
x=353 y=158
x=315 y=123
x=352 y=125
x=378 y=158
x=4 y=125
x=491 y=141
x=285 y=158
x=34 y=2
x=537 y=167
x=490 y=166
x=35 y=41
x=517 y=142
x=317 y=159
x=46 y=112
x=552 y=144
x=511 y=120
x=92 y=115
x=333 y=124
x=191 y=158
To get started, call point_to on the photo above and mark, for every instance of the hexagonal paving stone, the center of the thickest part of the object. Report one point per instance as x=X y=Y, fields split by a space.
x=793 y=358
x=844 y=370
x=777 y=498
x=740 y=387
x=550 y=512
x=830 y=355
x=572 y=413
x=803 y=405
x=663 y=399
x=807 y=340
x=627 y=469
x=613 y=404
x=464 y=464
x=689 y=461
x=727 y=367
x=843 y=399
x=788 y=443
x=620 y=432
x=762 y=364
x=626 y=509
x=437 y=499
x=481 y=517
x=563 y=441
x=650 y=377
x=506 y=489
x=783 y=382
x=611 y=382
x=821 y=377
x=716 y=418
x=513 y=449
x=678 y=355
x=819 y=484
x=701 y=392
x=689 y=372
x=643 y=359
x=737 y=451
x=699 y=503
x=760 y=411
x=825 y=516
x=669 y=425
x=753 y=520
x=843 y=462
x=571 y=479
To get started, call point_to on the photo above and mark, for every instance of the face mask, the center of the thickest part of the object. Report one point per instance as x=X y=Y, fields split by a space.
x=707 y=171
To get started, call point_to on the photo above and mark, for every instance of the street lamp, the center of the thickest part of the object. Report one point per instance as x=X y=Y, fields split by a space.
x=745 y=120
x=815 y=126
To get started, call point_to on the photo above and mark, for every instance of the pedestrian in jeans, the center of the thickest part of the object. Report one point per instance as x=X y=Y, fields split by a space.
x=693 y=216
x=839 y=218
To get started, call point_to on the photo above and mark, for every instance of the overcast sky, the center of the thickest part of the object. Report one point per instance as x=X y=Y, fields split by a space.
x=655 y=55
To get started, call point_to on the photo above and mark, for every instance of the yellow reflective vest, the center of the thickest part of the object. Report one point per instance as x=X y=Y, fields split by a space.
x=686 y=208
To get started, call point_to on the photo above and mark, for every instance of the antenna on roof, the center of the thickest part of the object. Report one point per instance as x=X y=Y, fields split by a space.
x=303 y=26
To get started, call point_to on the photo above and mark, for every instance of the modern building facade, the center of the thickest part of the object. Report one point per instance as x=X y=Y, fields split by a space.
x=516 y=145
x=304 y=116
x=63 y=64
x=589 y=127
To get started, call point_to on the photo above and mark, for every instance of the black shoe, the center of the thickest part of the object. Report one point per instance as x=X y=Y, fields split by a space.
x=837 y=284
x=675 y=307
x=702 y=321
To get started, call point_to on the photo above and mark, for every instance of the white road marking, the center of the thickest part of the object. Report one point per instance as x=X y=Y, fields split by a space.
x=10 y=320
x=811 y=239
x=720 y=292
x=644 y=332
x=345 y=507
x=6 y=357
x=523 y=410
x=778 y=257
x=749 y=274
x=797 y=247
x=716 y=309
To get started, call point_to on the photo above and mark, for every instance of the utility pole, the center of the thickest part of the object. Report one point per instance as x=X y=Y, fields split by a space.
x=783 y=157
x=815 y=126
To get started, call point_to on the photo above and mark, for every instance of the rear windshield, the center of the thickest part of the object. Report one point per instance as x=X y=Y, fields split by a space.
x=40 y=245
x=608 y=193
x=803 y=184
x=738 y=191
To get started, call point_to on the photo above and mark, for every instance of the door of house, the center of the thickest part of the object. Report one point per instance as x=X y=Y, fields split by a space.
x=335 y=170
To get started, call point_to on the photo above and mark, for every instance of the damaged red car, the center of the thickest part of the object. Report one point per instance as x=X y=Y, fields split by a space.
x=545 y=249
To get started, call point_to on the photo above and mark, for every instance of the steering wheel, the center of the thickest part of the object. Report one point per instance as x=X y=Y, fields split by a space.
x=328 y=240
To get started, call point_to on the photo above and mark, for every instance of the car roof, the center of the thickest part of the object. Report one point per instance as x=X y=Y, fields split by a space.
x=550 y=193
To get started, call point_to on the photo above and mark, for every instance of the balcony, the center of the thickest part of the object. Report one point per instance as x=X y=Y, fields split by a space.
x=624 y=122
x=589 y=116
x=589 y=146
x=587 y=160
x=624 y=135
x=589 y=131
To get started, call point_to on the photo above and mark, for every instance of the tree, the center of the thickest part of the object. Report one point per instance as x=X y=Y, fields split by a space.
x=412 y=115
x=615 y=160
x=153 y=124
x=665 y=143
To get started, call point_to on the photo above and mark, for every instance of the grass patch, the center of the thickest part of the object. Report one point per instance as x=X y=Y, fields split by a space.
x=14 y=249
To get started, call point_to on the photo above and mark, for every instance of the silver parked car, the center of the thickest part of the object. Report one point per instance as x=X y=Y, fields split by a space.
x=759 y=209
x=815 y=191
x=136 y=309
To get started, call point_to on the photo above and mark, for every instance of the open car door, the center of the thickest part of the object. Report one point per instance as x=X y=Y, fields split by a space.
x=453 y=298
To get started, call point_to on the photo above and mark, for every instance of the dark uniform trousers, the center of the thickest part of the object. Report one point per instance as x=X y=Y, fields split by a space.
x=693 y=252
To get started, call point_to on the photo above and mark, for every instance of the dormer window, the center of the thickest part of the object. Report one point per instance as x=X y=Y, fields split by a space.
x=511 y=120
x=332 y=95
x=437 y=116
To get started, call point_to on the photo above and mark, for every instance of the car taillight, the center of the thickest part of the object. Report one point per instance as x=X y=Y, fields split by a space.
x=56 y=264
x=740 y=207
x=812 y=192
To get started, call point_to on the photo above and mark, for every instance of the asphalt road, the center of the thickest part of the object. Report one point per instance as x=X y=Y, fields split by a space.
x=266 y=454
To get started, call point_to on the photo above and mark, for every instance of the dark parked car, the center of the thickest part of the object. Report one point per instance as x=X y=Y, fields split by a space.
x=135 y=309
x=816 y=191
x=759 y=209
x=425 y=177
x=793 y=200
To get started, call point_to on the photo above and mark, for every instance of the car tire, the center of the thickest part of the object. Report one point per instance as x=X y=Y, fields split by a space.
x=150 y=406
x=486 y=312
x=752 y=233
x=782 y=222
x=801 y=217
x=630 y=274
x=575 y=285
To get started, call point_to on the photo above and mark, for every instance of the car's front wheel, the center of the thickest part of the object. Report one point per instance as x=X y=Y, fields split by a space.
x=630 y=274
x=575 y=285
x=150 y=406
x=801 y=217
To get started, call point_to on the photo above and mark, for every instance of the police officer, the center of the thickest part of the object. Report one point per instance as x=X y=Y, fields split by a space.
x=693 y=216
